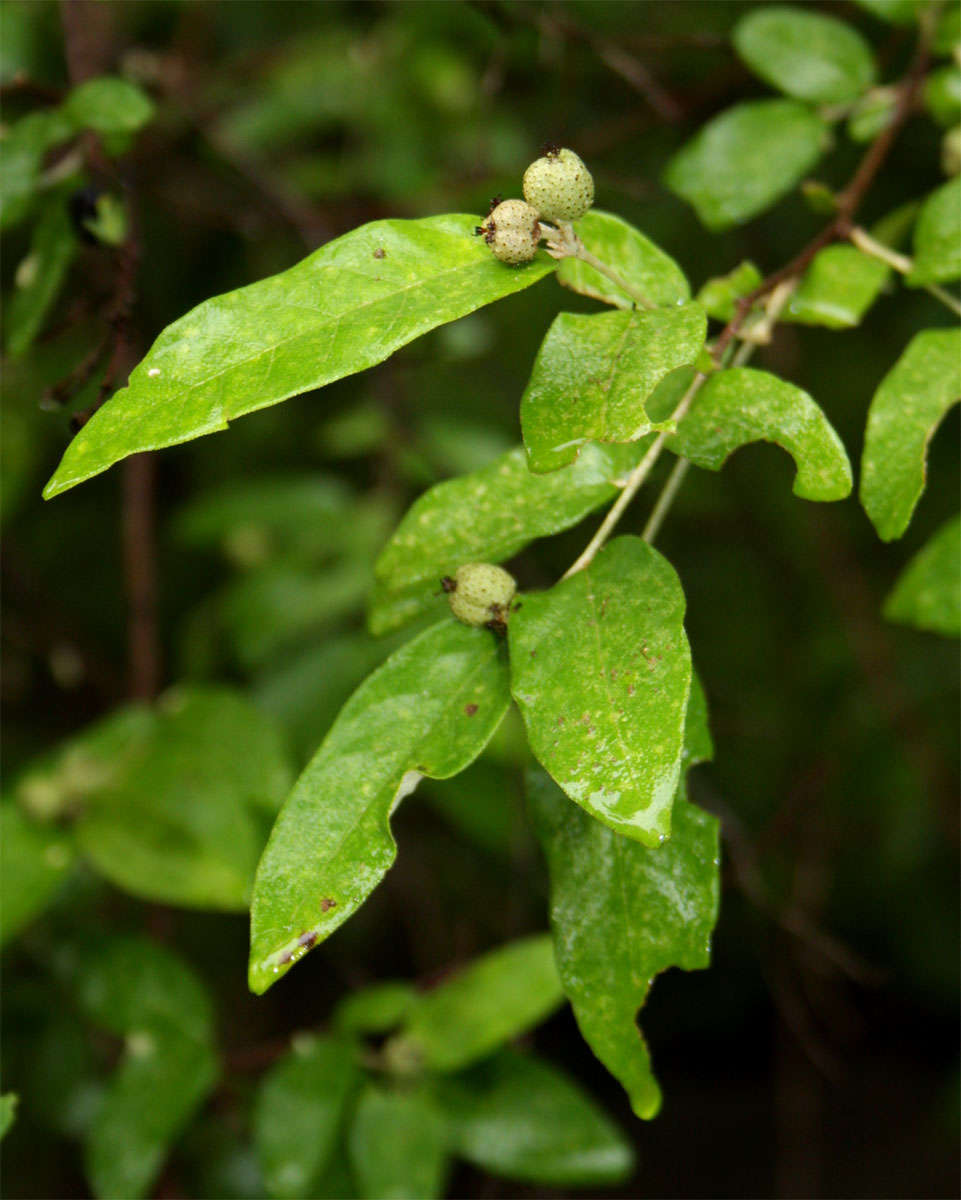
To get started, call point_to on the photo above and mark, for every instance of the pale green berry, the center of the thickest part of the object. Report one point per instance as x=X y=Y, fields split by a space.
x=512 y=231
x=480 y=593
x=559 y=186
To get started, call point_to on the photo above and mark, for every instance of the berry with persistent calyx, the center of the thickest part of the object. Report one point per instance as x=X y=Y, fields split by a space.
x=512 y=230
x=480 y=594
x=559 y=186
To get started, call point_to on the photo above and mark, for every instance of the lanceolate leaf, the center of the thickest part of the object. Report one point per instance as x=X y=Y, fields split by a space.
x=906 y=410
x=501 y=995
x=805 y=54
x=593 y=374
x=601 y=670
x=398 y=1146
x=937 y=237
x=744 y=160
x=837 y=289
x=639 y=262
x=429 y=710
x=299 y=1113
x=622 y=913
x=928 y=592
x=491 y=514
x=743 y=405
x=347 y=306
x=518 y=1117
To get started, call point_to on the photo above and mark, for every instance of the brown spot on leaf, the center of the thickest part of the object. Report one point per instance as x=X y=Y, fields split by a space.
x=309 y=938
x=380 y=252
x=285 y=959
x=470 y=709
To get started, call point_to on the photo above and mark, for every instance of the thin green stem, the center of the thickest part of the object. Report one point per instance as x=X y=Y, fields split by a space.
x=593 y=261
x=633 y=482
x=665 y=499
x=901 y=263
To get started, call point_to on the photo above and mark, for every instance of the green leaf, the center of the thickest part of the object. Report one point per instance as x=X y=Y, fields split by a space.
x=8 y=1112
x=837 y=289
x=40 y=276
x=942 y=95
x=124 y=984
x=601 y=669
x=621 y=914
x=139 y=990
x=488 y=516
x=719 y=296
x=345 y=307
x=937 y=237
x=898 y=12
x=495 y=998
x=398 y=1146
x=746 y=159
x=928 y=591
x=108 y=105
x=178 y=819
x=947 y=35
x=375 y=1009
x=906 y=410
x=162 y=1079
x=520 y=1118
x=873 y=113
x=22 y=149
x=805 y=54
x=299 y=1112
x=593 y=374
x=34 y=860
x=639 y=262
x=743 y=405
x=429 y=710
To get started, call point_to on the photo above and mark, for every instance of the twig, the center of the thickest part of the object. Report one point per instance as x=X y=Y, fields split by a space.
x=901 y=263
x=665 y=500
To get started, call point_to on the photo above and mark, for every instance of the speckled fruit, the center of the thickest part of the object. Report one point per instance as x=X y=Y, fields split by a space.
x=559 y=186
x=481 y=593
x=512 y=231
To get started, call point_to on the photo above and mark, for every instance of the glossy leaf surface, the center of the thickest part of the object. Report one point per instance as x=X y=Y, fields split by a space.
x=639 y=261
x=491 y=514
x=299 y=1113
x=744 y=160
x=937 y=237
x=743 y=405
x=497 y=997
x=622 y=913
x=805 y=54
x=345 y=307
x=837 y=289
x=398 y=1146
x=905 y=412
x=429 y=710
x=927 y=594
x=593 y=374
x=34 y=860
x=520 y=1118
x=601 y=670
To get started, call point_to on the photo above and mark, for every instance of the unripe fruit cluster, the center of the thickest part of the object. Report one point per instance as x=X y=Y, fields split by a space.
x=557 y=187
x=480 y=594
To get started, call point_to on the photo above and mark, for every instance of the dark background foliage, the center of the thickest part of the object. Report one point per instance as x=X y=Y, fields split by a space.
x=818 y=1055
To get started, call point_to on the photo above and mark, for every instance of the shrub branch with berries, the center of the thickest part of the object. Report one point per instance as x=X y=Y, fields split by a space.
x=598 y=664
